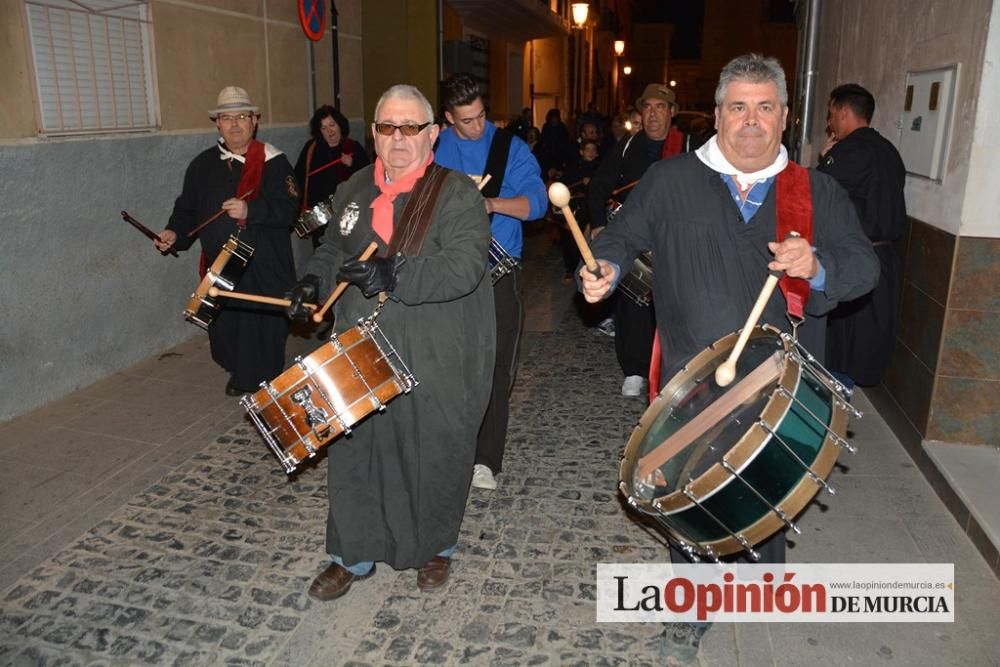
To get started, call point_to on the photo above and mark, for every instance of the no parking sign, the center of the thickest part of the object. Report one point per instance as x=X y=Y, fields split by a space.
x=312 y=17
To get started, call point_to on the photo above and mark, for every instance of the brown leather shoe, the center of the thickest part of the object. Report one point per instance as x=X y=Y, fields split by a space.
x=434 y=574
x=333 y=582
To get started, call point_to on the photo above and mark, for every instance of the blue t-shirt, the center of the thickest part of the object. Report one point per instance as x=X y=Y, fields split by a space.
x=522 y=177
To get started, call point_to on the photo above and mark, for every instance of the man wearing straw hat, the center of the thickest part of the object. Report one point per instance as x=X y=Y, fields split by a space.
x=253 y=184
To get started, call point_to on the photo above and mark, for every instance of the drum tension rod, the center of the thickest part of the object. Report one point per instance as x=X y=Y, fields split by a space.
x=778 y=512
x=736 y=536
x=840 y=442
x=344 y=426
x=827 y=378
x=809 y=471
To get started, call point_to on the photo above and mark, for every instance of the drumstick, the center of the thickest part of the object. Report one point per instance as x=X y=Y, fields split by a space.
x=726 y=371
x=559 y=196
x=483 y=181
x=318 y=315
x=742 y=391
x=256 y=298
x=146 y=231
x=216 y=216
x=627 y=186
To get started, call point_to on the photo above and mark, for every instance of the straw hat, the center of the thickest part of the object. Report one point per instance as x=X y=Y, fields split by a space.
x=232 y=98
x=657 y=91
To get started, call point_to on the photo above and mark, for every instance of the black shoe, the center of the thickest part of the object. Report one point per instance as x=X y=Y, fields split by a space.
x=681 y=643
x=235 y=391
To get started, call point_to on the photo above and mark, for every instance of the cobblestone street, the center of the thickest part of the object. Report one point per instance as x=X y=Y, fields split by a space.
x=208 y=562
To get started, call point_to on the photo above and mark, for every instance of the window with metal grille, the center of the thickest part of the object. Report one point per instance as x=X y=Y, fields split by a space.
x=92 y=65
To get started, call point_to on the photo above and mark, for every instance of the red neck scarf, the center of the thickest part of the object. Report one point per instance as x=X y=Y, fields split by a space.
x=253 y=170
x=794 y=212
x=382 y=205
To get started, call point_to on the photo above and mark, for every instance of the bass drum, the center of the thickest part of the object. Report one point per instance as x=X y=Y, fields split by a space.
x=722 y=469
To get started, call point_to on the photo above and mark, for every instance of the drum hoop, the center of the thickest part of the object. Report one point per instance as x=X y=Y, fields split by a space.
x=743 y=450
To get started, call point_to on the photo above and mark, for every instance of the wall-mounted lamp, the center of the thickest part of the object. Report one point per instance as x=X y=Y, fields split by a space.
x=619 y=47
x=580 y=12
x=627 y=70
x=673 y=82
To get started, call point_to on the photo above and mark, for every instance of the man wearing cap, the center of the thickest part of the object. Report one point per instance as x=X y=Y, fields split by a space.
x=514 y=193
x=254 y=184
x=635 y=324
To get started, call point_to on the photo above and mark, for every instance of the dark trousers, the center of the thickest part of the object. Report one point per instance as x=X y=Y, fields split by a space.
x=507 y=297
x=634 y=329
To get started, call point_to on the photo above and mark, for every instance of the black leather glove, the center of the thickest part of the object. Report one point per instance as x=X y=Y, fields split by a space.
x=372 y=276
x=303 y=292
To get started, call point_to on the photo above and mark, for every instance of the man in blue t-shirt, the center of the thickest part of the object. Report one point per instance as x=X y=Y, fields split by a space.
x=514 y=192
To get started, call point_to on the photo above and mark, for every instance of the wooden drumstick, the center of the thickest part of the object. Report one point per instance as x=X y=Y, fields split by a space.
x=726 y=372
x=627 y=186
x=216 y=216
x=483 y=181
x=318 y=315
x=559 y=196
x=256 y=298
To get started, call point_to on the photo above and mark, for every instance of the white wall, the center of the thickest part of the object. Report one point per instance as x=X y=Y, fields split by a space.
x=875 y=44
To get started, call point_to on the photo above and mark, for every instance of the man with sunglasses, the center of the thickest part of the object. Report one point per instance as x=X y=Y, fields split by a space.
x=398 y=485
x=514 y=193
x=254 y=184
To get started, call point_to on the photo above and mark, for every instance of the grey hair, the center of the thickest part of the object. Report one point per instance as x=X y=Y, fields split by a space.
x=404 y=91
x=752 y=68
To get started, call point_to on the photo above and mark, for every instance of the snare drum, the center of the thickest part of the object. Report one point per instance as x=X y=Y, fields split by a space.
x=747 y=458
x=322 y=396
x=313 y=219
x=224 y=274
x=501 y=262
x=637 y=284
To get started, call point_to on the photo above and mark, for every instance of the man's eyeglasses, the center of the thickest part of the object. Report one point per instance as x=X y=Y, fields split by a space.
x=409 y=130
x=228 y=118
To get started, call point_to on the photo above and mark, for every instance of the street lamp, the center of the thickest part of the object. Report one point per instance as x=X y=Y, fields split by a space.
x=627 y=70
x=580 y=12
x=619 y=47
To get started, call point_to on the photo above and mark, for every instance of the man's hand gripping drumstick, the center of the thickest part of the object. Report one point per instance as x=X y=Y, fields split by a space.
x=600 y=275
x=793 y=256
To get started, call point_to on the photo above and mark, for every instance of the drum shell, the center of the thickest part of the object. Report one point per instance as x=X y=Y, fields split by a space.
x=315 y=218
x=347 y=378
x=224 y=274
x=637 y=284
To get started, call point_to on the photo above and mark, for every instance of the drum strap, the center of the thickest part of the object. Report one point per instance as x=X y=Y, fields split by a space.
x=418 y=213
x=496 y=162
x=305 y=186
x=794 y=213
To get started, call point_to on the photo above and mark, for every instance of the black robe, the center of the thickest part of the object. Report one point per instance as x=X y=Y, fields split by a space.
x=398 y=484
x=247 y=340
x=710 y=266
x=324 y=183
x=861 y=332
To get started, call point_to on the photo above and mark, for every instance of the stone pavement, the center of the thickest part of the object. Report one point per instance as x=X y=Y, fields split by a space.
x=180 y=542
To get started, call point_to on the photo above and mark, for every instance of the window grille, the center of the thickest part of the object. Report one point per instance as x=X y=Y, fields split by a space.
x=92 y=65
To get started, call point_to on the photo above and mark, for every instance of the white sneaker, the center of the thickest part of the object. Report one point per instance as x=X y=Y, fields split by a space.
x=633 y=385
x=482 y=477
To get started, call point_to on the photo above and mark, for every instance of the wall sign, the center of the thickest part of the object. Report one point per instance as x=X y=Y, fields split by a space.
x=312 y=17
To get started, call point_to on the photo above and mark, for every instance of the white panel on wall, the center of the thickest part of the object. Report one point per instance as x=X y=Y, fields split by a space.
x=925 y=123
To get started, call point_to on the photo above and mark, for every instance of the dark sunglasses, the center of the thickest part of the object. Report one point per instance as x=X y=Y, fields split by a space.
x=388 y=129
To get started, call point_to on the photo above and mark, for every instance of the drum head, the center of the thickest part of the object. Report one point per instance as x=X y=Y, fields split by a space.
x=688 y=395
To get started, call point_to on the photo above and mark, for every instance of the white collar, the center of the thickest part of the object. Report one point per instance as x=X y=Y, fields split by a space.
x=226 y=154
x=711 y=155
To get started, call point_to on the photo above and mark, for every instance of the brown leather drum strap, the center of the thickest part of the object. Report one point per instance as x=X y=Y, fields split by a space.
x=418 y=213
